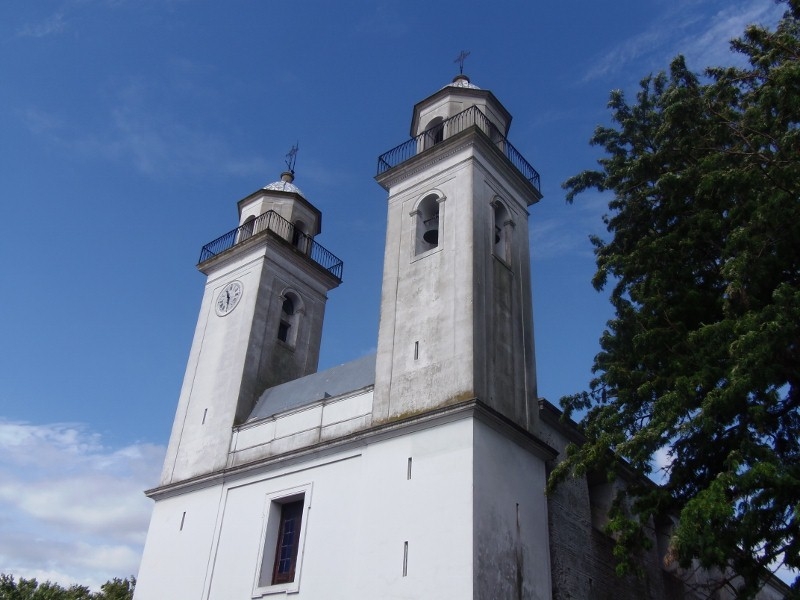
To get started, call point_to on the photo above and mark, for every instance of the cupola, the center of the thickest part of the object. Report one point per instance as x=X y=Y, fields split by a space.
x=441 y=112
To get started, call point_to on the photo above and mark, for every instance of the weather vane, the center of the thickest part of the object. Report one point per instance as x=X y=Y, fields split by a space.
x=291 y=157
x=462 y=56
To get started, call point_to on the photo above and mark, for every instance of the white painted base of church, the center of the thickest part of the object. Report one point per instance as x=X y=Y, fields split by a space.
x=444 y=508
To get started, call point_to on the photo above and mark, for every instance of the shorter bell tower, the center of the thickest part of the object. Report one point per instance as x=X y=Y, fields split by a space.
x=260 y=322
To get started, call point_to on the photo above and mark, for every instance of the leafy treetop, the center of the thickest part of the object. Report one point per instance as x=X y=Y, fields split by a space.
x=702 y=357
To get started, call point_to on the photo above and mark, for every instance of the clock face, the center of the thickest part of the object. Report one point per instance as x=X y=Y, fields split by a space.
x=228 y=298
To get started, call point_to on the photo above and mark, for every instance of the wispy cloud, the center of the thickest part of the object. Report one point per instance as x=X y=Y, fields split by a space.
x=135 y=130
x=72 y=508
x=685 y=28
x=381 y=19
x=710 y=45
x=54 y=24
x=566 y=230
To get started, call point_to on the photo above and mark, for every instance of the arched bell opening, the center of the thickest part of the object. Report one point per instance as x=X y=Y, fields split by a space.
x=246 y=230
x=291 y=309
x=502 y=226
x=427 y=224
x=300 y=237
x=434 y=132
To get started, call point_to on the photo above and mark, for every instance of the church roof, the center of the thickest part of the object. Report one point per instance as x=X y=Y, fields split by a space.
x=335 y=381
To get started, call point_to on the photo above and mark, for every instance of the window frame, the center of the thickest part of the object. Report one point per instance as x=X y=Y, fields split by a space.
x=264 y=581
x=290 y=526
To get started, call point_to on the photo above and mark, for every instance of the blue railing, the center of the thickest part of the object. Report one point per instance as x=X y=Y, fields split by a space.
x=472 y=117
x=272 y=222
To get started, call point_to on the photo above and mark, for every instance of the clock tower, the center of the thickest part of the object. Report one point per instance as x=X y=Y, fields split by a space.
x=260 y=322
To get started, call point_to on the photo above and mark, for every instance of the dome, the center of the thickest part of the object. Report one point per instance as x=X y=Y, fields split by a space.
x=462 y=81
x=284 y=185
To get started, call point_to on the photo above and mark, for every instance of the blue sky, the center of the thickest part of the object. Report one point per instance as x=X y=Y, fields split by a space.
x=129 y=129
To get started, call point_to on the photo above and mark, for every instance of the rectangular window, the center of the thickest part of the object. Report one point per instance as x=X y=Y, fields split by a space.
x=288 y=542
x=282 y=540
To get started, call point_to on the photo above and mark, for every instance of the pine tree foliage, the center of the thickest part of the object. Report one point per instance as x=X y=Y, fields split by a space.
x=702 y=357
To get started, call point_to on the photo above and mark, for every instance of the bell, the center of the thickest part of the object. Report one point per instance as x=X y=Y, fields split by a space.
x=431 y=234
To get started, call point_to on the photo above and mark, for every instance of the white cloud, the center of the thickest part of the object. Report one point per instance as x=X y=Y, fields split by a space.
x=686 y=28
x=566 y=229
x=711 y=46
x=72 y=508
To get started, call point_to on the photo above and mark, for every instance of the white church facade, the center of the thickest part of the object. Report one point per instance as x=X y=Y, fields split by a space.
x=414 y=473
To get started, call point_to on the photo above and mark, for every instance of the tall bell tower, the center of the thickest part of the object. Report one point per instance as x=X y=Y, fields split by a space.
x=456 y=311
x=260 y=322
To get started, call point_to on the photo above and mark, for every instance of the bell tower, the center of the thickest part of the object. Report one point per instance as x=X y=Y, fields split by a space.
x=260 y=322
x=456 y=310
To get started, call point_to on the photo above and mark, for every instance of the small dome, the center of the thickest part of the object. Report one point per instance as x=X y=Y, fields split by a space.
x=285 y=184
x=462 y=81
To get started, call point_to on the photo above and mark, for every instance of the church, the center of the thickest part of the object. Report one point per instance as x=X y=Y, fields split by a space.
x=417 y=472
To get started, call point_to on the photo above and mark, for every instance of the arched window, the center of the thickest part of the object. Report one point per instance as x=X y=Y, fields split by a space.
x=501 y=231
x=247 y=228
x=427 y=224
x=434 y=133
x=300 y=239
x=291 y=309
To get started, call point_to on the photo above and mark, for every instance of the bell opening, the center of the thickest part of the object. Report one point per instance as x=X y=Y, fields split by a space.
x=431 y=235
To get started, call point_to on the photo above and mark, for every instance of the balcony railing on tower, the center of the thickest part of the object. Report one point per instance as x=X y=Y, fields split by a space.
x=471 y=117
x=271 y=223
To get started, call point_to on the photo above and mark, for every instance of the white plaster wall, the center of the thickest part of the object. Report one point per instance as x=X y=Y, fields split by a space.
x=512 y=558
x=235 y=357
x=431 y=511
x=201 y=431
x=455 y=102
x=427 y=298
x=296 y=429
x=363 y=508
x=290 y=208
x=176 y=560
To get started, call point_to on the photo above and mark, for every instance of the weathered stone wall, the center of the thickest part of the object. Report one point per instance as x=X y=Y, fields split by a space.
x=581 y=555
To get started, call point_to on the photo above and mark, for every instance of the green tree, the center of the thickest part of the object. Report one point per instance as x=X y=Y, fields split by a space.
x=703 y=262
x=30 y=589
x=117 y=589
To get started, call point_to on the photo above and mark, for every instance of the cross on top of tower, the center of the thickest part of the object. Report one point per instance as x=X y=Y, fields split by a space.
x=462 y=56
x=291 y=158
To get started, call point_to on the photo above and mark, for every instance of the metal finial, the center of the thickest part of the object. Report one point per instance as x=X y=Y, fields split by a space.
x=291 y=157
x=462 y=56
